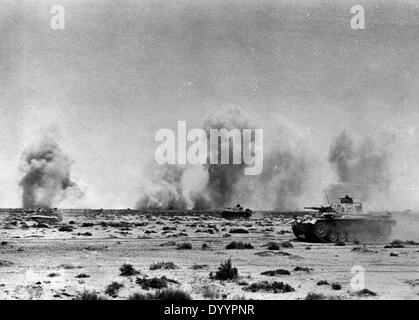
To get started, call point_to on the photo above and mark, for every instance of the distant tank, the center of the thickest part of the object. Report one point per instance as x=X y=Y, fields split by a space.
x=237 y=212
x=46 y=215
x=343 y=222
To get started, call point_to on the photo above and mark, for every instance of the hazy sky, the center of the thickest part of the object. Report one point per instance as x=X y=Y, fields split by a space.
x=123 y=69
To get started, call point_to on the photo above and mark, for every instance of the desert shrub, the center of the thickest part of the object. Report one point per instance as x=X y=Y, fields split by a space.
x=82 y=276
x=53 y=274
x=199 y=266
x=226 y=271
x=363 y=249
x=6 y=263
x=287 y=244
x=128 y=270
x=24 y=225
x=319 y=296
x=182 y=234
x=205 y=246
x=239 y=245
x=155 y=283
x=89 y=295
x=168 y=228
x=315 y=296
x=172 y=294
x=272 y=273
x=238 y=297
x=184 y=246
x=273 y=246
x=238 y=230
x=113 y=288
x=142 y=296
x=45 y=225
x=65 y=228
x=163 y=265
x=275 y=286
x=336 y=286
x=322 y=283
x=167 y=244
x=87 y=234
x=210 y=292
x=305 y=269
x=87 y=224
x=166 y=294
x=366 y=292
x=68 y=266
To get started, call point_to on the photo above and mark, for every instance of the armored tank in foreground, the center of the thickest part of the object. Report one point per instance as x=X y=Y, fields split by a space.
x=236 y=213
x=343 y=222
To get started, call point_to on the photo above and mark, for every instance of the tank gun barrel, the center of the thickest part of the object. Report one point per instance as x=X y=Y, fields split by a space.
x=321 y=209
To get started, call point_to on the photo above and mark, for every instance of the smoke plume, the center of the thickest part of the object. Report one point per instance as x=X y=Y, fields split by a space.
x=197 y=186
x=213 y=186
x=282 y=182
x=46 y=179
x=223 y=178
x=363 y=171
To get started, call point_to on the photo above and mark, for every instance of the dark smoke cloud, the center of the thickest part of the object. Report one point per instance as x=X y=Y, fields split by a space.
x=197 y=187
x=223 y=178
x=46 y=179
x=214 y=186
x=363 y=171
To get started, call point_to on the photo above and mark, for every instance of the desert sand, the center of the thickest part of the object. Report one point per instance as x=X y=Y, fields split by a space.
x=38 y=261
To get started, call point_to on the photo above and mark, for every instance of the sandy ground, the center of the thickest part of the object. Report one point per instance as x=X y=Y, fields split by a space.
x=43 y=263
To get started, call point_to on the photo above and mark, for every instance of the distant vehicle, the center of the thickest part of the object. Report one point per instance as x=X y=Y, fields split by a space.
x=48 y=215
x=341 y=222
x=236 y=213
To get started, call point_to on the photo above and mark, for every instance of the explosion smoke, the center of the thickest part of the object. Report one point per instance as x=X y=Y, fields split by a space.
x=283 y=180
x=197 y=186
x=362 y=171
x=223 y=178
x=214 y=186
x=46 y=179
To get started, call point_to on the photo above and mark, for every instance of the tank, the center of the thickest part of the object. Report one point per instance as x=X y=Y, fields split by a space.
x=343 y=222
x=236 y=213
x=46 y=215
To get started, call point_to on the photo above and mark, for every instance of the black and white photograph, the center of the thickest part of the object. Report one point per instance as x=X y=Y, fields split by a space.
x=217 y=150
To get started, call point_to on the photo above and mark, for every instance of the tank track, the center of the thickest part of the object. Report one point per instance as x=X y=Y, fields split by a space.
x=344 y=230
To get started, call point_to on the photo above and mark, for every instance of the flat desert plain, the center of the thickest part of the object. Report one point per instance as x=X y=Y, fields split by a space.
x=84 y=252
